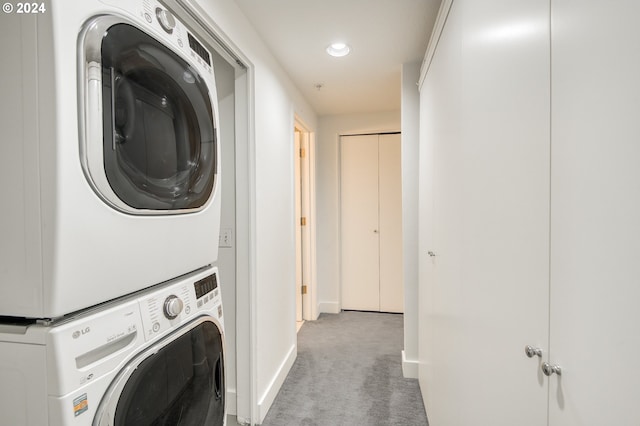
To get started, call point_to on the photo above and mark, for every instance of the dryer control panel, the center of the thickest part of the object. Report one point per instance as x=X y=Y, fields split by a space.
x=156 y=16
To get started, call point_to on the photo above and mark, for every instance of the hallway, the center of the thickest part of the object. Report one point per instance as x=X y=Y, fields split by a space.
x=348 y=371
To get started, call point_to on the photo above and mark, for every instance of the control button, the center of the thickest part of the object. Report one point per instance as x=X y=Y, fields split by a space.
x=172 y=307
x=200 y=303
x=187 y=310
x=167 y=22
x=156 y=327
x=147 y=17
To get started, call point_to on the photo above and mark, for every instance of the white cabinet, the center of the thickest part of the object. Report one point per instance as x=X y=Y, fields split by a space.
x=530 y=207
x=371 y=223
x=488 y=136
x=595 y=213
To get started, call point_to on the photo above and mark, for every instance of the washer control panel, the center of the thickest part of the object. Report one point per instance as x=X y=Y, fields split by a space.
x=172 y=304
x=165 y=308
x=165 y=19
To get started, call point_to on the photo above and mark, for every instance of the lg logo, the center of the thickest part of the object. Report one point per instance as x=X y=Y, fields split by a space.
x=81 y=332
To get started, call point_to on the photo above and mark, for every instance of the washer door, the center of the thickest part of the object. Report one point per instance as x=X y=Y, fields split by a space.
x=179 y=383
x=150 y=141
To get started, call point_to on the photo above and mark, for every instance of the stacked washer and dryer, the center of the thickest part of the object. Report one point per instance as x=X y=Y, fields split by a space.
x=110 y=308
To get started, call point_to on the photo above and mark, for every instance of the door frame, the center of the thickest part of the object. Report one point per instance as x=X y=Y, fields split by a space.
x=246 y=392
x=307 y=259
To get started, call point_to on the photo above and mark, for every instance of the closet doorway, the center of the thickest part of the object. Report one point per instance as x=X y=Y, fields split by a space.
x=371 y=222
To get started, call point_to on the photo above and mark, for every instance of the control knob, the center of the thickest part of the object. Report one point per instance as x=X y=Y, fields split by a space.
x=172 y=307
x=166 y=20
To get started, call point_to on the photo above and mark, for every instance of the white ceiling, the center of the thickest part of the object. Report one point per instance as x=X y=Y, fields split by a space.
x=383 y=34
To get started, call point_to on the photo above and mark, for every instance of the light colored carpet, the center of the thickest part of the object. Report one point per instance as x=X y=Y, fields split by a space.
x=349 y=372
x=232 y=421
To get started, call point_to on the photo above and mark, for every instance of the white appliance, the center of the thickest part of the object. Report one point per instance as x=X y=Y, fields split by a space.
x=109 y=156
x=156 y=357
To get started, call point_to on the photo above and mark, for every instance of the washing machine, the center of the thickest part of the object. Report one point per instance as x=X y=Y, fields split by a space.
x=109 y=156
x=152 y=358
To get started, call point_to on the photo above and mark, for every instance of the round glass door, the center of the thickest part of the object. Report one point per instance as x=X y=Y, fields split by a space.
x=159 y=136
x=181 y=384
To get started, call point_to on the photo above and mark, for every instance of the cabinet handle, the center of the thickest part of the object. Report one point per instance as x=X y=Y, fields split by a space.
x=375 y=231
x=549 y=369
x=430 y=253
x=531 y=351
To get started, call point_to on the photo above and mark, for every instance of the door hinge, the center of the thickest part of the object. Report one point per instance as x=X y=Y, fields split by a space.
x=302 y=152
x=304 y=289
x=303 y=221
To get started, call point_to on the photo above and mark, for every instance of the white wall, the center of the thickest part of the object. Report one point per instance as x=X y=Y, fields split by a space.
x=410 y=152
x=276 y=101
x=328 y=195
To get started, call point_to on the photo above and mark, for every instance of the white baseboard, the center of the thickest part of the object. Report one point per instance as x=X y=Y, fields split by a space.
x=329 y=307
x=231 y=400
x=409 y=367
x=276 y=383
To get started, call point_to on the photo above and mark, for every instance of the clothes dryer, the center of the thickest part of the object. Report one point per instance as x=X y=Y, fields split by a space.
x=156 y=357
x=109 y=156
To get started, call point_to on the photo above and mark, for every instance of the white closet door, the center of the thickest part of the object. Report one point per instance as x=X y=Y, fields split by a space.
x=359 y=223
x=439 y=106
x=595 y=252
x=390 y=201
x=488 y=92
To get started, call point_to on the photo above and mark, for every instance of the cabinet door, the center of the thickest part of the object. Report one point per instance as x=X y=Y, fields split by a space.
x=595 y=220
x=488 y=92
x=359 y=223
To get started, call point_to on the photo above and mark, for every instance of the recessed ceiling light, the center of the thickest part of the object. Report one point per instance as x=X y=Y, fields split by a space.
x=338 y=49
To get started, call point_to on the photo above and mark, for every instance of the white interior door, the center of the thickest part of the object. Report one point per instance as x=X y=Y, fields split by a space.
x=595 y=208
x=371 y=208
x=390 y=223
x=359 y=223
x=306 y=232
x=299 y=228
x=487 y=91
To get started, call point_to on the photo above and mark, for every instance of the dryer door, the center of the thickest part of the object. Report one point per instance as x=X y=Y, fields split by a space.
x=179 y=383
x=150 y=144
